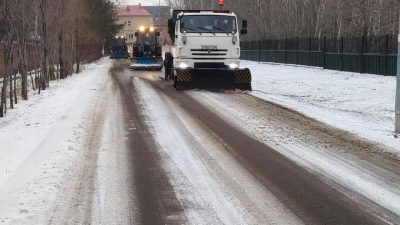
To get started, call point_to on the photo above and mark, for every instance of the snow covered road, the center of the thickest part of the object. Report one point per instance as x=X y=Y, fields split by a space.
x=197 y=134
x=123 y=147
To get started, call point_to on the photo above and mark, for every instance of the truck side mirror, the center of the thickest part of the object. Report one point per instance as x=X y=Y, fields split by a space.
x=136 y=34
x=170 y=23
x=244 y=24
x=243 y=31
x=158 y=34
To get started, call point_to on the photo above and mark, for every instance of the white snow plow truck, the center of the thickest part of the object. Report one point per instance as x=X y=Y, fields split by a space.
x=206 y=51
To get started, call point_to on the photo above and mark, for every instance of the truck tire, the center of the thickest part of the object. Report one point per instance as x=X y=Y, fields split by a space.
x=175 y=81
x=168 y=62
x=166 y=71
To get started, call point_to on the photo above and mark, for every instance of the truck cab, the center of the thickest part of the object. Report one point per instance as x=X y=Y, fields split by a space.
x=204 y=39
x=119 y=49
x=146 y=44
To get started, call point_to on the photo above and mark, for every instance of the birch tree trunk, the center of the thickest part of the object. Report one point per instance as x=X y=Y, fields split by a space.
x=44 y=75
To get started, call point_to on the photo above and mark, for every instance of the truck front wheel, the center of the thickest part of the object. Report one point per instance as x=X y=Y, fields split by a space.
x=168 y=62
x=175 y=81
x=166 y=71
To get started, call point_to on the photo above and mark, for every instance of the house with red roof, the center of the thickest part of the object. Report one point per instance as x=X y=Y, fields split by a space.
x=133 y=17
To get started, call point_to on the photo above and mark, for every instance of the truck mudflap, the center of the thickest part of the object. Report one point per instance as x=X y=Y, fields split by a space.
x=119 y=55
x=212 y=79
x=143 y=63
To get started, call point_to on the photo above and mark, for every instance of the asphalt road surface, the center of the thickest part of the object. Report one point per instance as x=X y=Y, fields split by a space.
x=177 y=157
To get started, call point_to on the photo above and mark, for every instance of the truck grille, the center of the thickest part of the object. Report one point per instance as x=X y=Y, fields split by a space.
x=209 y=65
x=209 y=52
x=206 y=50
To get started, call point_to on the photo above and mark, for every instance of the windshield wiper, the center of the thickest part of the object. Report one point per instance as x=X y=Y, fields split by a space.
x=221 y=30
x=206 y=30
x=192 y=30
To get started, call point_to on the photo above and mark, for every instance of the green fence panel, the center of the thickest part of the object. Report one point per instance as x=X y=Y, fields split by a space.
x=263 y=56
x=332 y=61
x=317 y=59
x=368 y=63
x=374 y=64
x=256 y=55
x=391 y=65
x=351 y=63
x=280 y=56
x=243 y=55
x=249 y=55
x=291 y=57
x=303 y=58
x=382 y=60
x=380 y=64
x=271 y=56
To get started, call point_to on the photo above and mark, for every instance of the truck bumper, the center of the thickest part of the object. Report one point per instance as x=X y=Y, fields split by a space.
x=212 y=79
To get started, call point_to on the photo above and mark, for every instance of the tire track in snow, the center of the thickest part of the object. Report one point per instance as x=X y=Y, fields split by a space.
x=156 y=200
x=211 y=186
x=74 y=204
x=114 y=199
x=310 y=198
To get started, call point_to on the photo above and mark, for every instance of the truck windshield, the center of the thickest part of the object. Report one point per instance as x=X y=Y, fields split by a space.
x=149 y=37
x=213 y=23
x=119 y=42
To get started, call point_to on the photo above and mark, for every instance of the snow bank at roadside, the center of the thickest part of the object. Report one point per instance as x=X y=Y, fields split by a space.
x=360 y=103
x=40 y=139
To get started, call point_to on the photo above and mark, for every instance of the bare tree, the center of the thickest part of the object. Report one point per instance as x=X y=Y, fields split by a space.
x=43 y=34
x=303 y=18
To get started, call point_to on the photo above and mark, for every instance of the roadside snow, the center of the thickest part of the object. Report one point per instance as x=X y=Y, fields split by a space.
x=362 y=104
x=40 y=139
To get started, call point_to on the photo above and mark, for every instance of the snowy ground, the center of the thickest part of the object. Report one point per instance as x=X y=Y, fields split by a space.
x=360 y=103
x=40 y=139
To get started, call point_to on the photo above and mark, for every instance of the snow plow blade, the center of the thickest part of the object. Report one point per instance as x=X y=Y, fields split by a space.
x=212 y=79
x=119 y=55
x=147 y=63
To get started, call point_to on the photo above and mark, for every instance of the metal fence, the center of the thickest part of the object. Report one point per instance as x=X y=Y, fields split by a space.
x=373 y=55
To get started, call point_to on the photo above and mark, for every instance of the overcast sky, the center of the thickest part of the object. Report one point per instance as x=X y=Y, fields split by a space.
x=136 y=2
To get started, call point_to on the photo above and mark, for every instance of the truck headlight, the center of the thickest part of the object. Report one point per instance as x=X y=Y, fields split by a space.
x=183 y=65
x=234 y=39
x=184 y=39
x=233 y=65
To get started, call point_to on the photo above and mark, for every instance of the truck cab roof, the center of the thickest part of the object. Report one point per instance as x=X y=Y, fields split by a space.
x=207 y=13
x=197 y=12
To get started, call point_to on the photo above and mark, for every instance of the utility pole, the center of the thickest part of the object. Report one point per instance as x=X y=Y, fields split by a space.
x=397 y=106
x=212 y=4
